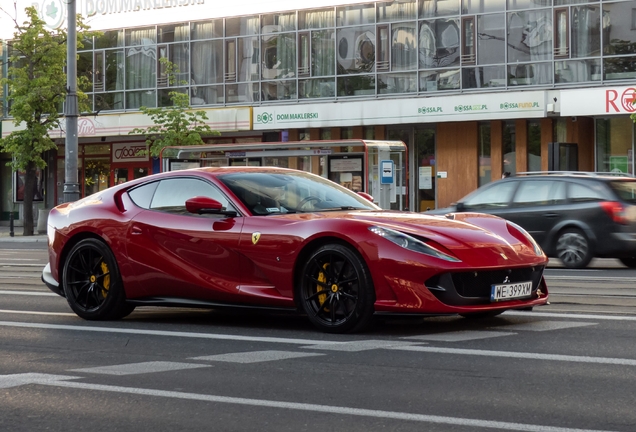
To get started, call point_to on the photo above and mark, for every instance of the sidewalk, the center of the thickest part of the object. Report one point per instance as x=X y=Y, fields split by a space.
x=5 y=236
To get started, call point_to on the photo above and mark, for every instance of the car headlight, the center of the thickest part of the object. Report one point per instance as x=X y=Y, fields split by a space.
x=537 y=249
x=411 y=243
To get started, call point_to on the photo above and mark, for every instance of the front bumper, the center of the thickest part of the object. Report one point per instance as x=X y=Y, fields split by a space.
x=49 y=281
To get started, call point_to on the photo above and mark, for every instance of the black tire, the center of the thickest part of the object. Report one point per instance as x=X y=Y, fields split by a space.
x=336 y=290
x=629 y=261
x=482 y=315
x=92 y=283
x=573 y=248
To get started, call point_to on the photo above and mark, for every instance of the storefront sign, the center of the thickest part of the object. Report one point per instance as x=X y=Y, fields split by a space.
x=129 y=153
x=598 y=101
x=399 y=111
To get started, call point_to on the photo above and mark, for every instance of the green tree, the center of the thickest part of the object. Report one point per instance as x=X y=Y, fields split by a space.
x=175 y=125
x=36 y=84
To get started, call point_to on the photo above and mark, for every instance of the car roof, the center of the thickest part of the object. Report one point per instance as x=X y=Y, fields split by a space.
x=603 y=176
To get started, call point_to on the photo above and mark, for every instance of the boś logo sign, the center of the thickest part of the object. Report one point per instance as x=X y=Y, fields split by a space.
x=129 y=153
x=616 y=101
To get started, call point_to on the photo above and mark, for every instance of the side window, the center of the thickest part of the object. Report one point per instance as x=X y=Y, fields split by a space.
x=586 y=192
x=142 y=195
x=171 y=194
x=539 y=192
x=496 y=196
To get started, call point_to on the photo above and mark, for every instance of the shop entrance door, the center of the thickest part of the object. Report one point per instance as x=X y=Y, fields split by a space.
x=121 y=173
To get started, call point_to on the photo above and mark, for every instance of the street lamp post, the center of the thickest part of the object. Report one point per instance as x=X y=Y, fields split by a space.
x=71 y=184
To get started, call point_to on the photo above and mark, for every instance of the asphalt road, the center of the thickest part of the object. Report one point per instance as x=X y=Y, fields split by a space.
x=563 y=367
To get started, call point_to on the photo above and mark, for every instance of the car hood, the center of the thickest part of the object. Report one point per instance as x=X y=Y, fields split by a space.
x=474 y=238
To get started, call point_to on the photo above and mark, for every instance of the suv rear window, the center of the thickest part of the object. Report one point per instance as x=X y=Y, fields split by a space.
x=590 y=191
x=625 y=189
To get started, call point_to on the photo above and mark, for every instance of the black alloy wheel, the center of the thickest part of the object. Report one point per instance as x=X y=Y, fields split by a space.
x=573 y=248
x=92 y=283
x=336 y=290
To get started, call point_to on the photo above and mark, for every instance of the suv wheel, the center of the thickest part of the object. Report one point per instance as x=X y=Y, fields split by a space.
x=573 y=248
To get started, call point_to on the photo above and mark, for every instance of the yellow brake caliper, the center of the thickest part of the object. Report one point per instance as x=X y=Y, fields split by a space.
x=322 y=277
x=106 y=283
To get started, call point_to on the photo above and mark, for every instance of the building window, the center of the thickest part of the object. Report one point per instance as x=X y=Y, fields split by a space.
x=485 y=166
x=509 y=148
x=469 y=54
x=534 y=146
x=614 y=145
x=561 y=33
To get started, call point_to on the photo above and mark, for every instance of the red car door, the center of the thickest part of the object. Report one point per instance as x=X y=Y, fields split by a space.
x=176 y=254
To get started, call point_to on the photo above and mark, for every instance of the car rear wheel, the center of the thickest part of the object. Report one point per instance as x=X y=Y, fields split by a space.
x=573 y=248
x=336 y=289
x=92 y=283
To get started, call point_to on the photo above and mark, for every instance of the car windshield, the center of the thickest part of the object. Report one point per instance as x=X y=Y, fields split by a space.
x=265 y=193
x=625 y=189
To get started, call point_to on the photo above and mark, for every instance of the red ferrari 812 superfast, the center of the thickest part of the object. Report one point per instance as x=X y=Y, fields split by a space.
x=275 y=238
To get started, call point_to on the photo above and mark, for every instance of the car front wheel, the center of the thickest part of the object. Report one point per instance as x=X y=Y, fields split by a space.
x=336 y=289
x=92 y=283
x=573 y=248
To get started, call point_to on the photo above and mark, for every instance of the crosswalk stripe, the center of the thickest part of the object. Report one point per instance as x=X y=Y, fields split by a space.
x=255 y=356
x=544 y=326
x=459 y=336
x=140 y=368
x=363 y=345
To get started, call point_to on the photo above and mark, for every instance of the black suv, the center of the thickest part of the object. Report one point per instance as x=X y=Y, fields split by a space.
x=574 y=216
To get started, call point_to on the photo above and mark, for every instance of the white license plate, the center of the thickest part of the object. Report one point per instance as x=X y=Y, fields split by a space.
x=509 y=291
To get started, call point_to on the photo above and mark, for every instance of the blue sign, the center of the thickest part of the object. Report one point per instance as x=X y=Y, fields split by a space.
x=387 y=172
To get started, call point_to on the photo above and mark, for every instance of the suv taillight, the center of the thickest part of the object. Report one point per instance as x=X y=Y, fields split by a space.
x=615 y=210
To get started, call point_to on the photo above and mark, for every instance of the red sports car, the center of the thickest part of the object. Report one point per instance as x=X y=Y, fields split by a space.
x=278 y=238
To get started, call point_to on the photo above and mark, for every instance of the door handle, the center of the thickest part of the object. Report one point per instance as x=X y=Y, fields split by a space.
x=135 y=230
x=551 y=215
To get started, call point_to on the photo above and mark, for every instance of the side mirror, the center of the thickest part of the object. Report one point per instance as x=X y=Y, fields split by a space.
x=460 y=207
x=366 y=196
x=206 y=205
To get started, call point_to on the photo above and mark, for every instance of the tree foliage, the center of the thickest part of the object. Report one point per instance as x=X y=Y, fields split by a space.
x=175 y=125
x=36 y=84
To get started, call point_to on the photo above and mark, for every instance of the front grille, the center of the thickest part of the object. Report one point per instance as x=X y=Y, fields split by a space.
x=474 y=287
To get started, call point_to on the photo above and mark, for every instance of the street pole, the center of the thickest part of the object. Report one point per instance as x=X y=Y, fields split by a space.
x=71 y=185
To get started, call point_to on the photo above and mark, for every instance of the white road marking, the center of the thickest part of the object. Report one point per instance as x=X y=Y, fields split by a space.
x=58 y=381
x=16 y=380
x=460 y=336
x=572 y=316
x=591 y=278
x=167 y=333
x=520 y=355
x=37 y=313
x=22 y=264
x=255 y=356
x=20 y=259
x=140 y=368
x=363 y=345
x=29 y=293
x=543 y=326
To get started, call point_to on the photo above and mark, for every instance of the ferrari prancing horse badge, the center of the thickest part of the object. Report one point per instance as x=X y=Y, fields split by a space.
x=256 y=237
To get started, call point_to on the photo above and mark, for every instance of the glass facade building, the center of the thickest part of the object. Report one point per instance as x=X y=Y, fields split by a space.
x=388 y=48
